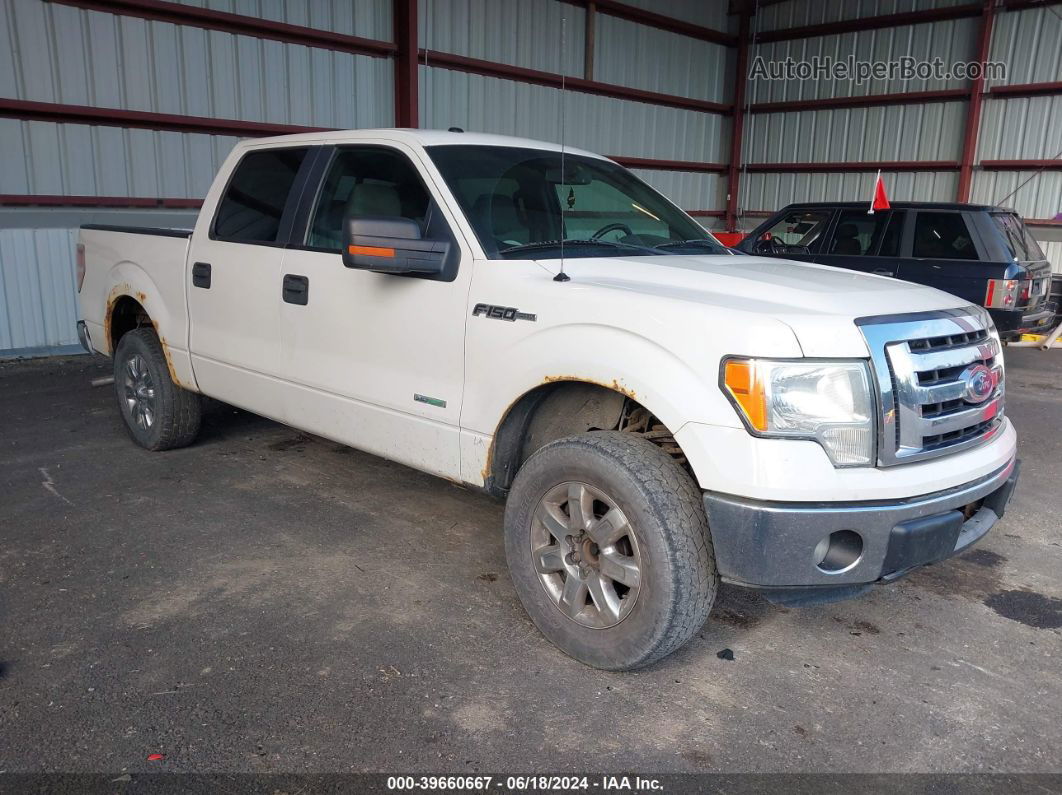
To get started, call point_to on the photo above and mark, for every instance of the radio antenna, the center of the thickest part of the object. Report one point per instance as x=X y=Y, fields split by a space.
x=561 y=275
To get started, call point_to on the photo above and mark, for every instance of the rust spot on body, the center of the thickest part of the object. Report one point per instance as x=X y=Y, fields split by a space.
x=615 y=386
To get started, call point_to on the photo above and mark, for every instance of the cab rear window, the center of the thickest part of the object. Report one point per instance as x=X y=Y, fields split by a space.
x=1020 y=243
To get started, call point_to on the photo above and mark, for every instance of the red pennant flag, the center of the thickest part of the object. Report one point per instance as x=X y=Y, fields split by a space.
x=880 y=200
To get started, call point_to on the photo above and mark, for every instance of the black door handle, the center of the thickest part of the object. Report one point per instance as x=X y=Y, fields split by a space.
x=201 y=275
x=296 y=289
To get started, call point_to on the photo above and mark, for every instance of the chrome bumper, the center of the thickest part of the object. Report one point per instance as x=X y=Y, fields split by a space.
x=781 y=545
x=83 y=336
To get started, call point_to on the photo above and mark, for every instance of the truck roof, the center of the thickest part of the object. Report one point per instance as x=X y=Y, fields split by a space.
x=903 y=206
x=416 y=137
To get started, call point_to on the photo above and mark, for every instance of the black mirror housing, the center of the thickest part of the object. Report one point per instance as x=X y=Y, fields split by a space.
x=387 y=244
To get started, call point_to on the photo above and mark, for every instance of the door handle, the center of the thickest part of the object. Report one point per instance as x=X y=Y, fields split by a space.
x=201 y=275
x=882 y=272
x=296 y=289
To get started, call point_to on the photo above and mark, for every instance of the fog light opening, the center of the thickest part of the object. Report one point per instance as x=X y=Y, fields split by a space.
x=839 y=551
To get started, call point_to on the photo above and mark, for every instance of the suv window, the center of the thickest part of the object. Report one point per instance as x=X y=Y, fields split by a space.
x=856 y=233
x=890 y=241
x=253 y=204
x=802 y=229
x=367 y=181
x=1020 y=243
x=942 y=236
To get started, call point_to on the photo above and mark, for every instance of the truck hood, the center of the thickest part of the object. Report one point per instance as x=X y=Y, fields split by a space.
x=817 y=302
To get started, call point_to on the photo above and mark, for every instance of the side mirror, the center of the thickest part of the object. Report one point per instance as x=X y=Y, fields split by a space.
x=390 y=245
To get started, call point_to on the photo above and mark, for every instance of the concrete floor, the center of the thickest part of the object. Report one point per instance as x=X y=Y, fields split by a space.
x=266 y=601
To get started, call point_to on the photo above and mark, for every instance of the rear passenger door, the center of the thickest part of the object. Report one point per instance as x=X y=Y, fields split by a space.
x=946 y=254
x=233 y=279
x=865 y=242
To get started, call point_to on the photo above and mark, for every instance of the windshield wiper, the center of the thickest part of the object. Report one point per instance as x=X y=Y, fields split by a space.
x=696 y=242
x=572 y=242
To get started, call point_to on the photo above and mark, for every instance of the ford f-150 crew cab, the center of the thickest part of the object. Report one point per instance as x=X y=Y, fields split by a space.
x=660 y=413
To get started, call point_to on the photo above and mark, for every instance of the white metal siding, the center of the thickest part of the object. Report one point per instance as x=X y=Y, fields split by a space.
x=651 y=59
x=892 y=132
x=706 y=13
x=1034 y=194
x=72 y=56
x=370 y=19
x=1021 y=128
x=774 y=191
x=523 y=33
x=1029 y=42
x=38 y=305
x=798 y=13
x=600 y=124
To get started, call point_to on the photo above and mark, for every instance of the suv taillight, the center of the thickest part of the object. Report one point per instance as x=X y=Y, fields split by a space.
x=80 y=259
x=1004 y=293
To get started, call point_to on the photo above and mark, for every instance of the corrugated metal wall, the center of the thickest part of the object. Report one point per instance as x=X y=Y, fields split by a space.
x=56 y=53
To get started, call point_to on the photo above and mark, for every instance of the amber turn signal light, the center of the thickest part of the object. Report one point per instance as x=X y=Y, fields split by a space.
x=743 y=382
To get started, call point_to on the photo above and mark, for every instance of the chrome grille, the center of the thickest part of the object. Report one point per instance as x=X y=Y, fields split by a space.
x=940 y=377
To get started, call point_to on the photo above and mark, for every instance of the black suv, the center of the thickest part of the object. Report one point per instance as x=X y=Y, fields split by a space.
x=980 y=253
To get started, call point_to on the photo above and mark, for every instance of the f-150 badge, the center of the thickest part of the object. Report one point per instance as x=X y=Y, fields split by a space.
x=510 y=313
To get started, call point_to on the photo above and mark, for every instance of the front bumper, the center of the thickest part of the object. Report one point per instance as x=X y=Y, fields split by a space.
x=776 y=545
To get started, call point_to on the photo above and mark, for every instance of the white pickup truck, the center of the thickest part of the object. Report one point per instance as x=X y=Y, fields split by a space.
x=660 y=412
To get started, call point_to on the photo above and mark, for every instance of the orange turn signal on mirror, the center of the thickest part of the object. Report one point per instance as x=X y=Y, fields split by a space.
x=370 y=251
x=743 y=382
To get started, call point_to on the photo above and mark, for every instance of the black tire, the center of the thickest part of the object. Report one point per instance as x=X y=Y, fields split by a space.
x=663 y=506
x=176 y=412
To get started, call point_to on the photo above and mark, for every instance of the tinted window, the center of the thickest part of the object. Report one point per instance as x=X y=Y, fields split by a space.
x=369 y=181
x=942 y=236
x=794 y=232
x=857 y=233
x=254 y=200
x=890 y=241
x=1020 y=243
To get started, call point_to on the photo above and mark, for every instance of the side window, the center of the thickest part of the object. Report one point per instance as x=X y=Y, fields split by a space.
x=368 y=181
x=253 y=204
x=799 y=229
x=856 y=233
x=890 y=241
x=942 y=236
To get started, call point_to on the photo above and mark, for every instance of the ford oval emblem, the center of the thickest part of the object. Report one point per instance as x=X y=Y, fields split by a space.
x=980 y=383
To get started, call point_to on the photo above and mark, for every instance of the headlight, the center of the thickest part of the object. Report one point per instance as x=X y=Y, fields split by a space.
x=829 y=402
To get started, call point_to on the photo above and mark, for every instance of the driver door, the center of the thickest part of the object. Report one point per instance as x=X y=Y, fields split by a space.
x=793 y=234
x=375 y=360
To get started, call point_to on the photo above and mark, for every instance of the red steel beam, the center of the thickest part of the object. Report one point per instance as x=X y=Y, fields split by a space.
x=589 y=36
x=1026 y=90
x=737 y=126
x=669 y=165
x=180 y=14
x=50 y=200
x=404 y=14
x=872 y=23
x=462 y=63
x=973 y=110
x=871 y=100
x=662 y=22
x=855 y=166
x=114 y=117
x=1022 y=165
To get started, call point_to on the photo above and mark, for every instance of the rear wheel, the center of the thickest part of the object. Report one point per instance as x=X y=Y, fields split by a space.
x=609 y=549
x=158 y=414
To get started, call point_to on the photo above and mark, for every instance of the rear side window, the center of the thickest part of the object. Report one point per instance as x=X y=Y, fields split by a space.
x=253 y=204
x=1020 y=243
x=857 y=233
x=942 y=236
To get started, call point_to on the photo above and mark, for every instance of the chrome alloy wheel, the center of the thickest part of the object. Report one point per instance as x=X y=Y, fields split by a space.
x=138 y=391
x=586 y=555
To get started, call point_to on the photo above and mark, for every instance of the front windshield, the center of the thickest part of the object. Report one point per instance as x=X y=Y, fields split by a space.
x=514 y=198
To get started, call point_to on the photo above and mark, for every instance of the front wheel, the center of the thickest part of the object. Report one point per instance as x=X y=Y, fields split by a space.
x=609 y=549
x=159 y=414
